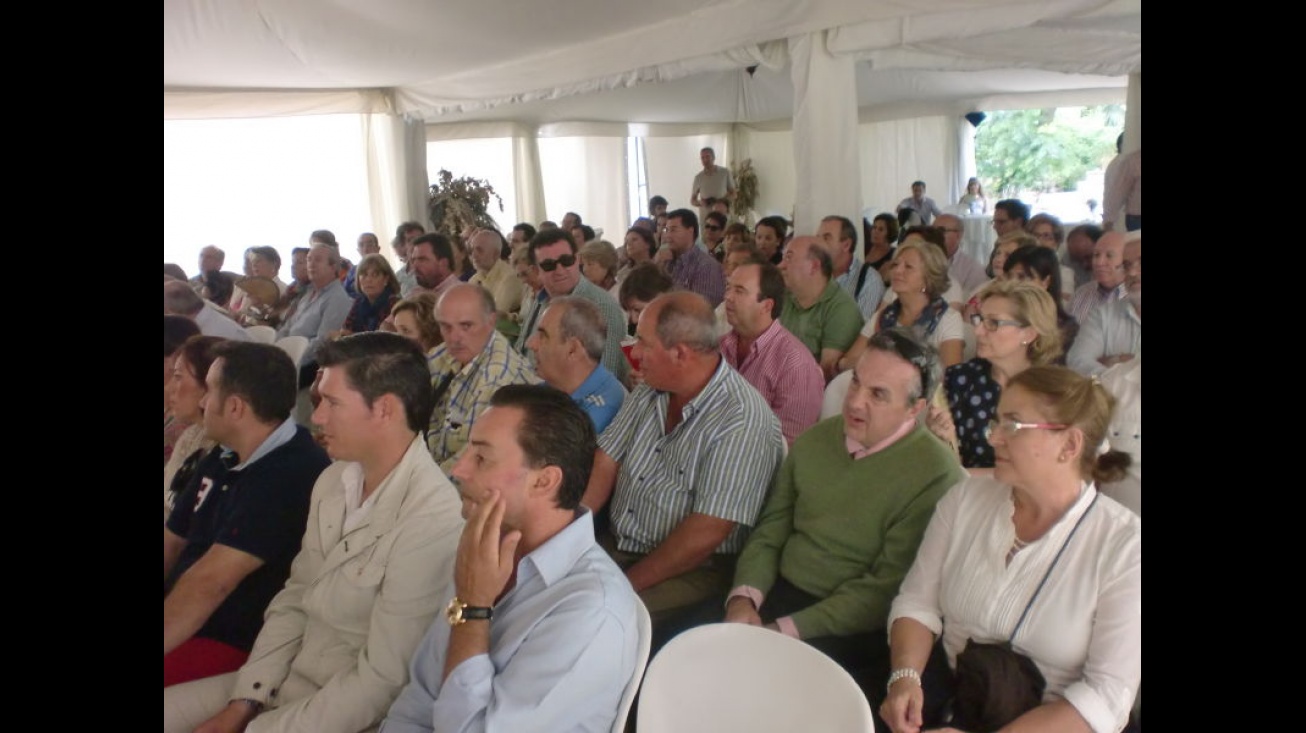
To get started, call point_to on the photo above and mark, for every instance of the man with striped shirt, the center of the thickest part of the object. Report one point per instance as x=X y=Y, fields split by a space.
x=687 y=461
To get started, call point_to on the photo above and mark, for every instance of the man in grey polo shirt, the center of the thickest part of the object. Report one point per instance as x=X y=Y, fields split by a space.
x=687 y=461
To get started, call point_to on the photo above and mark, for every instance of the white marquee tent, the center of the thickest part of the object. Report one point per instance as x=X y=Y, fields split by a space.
x=839 y=103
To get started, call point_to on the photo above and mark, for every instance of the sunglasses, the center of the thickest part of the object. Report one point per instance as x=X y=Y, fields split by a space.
x=551 y=265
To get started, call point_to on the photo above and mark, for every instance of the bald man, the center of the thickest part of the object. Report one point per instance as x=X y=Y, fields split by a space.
x=1108 y=277
x=473 y=362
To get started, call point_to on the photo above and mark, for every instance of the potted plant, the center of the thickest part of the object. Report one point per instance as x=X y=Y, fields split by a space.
x=459 y=203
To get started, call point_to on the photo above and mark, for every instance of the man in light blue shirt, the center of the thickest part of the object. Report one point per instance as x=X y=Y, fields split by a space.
x=541 y=633
x=568 y=347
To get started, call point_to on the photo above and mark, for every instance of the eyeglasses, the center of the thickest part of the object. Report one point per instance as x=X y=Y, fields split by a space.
x=551 y=265
x=1009 y=428
x=993 y=324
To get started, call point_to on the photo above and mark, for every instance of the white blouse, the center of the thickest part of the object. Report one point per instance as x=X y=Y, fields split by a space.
x=1084 y=632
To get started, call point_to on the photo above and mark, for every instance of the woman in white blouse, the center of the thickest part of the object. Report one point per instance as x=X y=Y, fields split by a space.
x=992 y=540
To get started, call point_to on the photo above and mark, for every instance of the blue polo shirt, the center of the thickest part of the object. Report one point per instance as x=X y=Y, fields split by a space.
x=600 y=396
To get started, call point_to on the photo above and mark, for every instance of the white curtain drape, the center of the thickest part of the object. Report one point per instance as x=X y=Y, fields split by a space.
x=897 y=152
x=396 y=173
x=825 y=136
x=587 y=175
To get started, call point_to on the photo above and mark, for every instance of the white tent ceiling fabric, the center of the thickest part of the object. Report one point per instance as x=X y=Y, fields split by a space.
x=676 y=60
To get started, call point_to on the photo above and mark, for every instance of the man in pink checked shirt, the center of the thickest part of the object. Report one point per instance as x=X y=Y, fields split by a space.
x=846 y=513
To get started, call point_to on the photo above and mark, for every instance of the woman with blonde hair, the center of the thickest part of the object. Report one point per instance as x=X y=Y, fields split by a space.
x=1031 y=565
x=1015 y=329
x=598 y=263
x=919 y=278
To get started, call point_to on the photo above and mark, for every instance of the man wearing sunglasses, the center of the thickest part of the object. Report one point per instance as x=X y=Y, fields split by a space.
x=554 y=252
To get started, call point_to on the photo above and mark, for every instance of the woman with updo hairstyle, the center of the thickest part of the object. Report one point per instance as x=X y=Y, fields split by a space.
x=920 y=278
x=1040 y=266
x=1015 y=329
x=1034 y=554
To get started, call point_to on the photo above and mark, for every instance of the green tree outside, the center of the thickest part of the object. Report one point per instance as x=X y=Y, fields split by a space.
x=1045 y=150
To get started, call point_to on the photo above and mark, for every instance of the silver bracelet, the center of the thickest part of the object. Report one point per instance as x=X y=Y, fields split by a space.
x=903 y=673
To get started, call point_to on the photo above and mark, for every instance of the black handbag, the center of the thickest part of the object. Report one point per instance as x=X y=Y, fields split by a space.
x=995 y=684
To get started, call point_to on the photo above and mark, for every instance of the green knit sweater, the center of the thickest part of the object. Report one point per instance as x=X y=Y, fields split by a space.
x=844 y=530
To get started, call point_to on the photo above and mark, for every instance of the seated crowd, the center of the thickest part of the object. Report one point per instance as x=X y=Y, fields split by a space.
x=446 y=511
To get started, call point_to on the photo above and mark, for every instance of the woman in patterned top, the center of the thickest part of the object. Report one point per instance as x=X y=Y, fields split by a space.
x=1015 y=329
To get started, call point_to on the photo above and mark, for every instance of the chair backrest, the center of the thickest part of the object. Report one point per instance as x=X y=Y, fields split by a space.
x=832 y=401
x=739 y=677
x=262 y=334
x=645 y=624
x=295 y=346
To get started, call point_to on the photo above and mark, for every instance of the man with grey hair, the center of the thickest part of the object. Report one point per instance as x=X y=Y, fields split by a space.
x=473 y=362
x=322 y=309
x=568 y=345
x=963 y=269
x=495 y=274
x=211 y=259
x=687 y=461
x=180 y=300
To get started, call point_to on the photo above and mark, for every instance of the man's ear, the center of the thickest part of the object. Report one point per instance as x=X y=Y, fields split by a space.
x=388 y=407
x=915 y=410
x=547 y=482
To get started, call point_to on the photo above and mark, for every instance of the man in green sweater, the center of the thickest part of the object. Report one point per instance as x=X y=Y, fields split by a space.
x=847 y=511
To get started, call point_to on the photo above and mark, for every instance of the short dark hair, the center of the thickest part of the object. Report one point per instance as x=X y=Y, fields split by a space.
x=579 y=220
x=220 y=285
x=687 y=219
x=176 y=329
x=545 y=237
x=718 y=218
x=554 y=431
x=1092 y=231
x=771 y=284
x=902 y=343
x=890 y=226
x=655 y=202
x=298 y=250
x=933 y=235
x=587 y=231
x=526 y=229
x=645 y=282
x=776 y=224
x=846 y=229
x=378 y=363
x=1015 y=208
x=260 y=374
x=1043 y=262
x=441 y=248
x=914 y=184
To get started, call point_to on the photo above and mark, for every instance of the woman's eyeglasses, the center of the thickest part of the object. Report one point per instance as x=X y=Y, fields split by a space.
x=993 y=324
x=1009 y=428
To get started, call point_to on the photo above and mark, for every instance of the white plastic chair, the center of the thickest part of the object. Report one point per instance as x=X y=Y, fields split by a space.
x=746 y=678
x=295 y=346
x=832 y=400
x=645 y=625
x=262 y=334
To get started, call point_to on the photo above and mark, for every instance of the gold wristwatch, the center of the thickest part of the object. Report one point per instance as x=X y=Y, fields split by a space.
x=459 y=613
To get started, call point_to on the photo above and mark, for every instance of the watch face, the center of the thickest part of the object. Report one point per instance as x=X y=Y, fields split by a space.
x=454 y=612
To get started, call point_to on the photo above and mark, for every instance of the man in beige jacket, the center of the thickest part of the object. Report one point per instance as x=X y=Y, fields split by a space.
x=377 y=556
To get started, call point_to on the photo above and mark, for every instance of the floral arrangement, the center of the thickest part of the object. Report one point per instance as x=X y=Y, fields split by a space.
x=745 y=190
x=459 y=203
